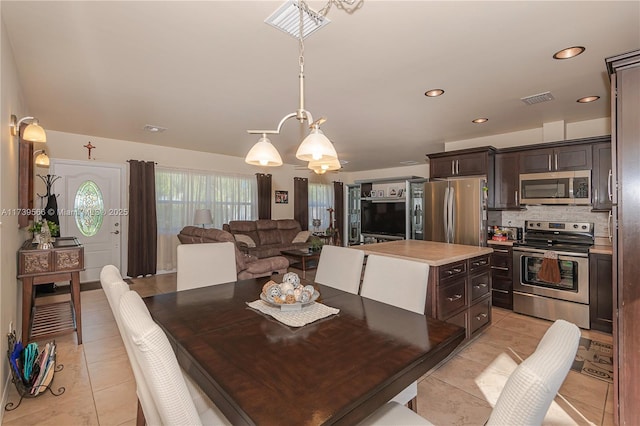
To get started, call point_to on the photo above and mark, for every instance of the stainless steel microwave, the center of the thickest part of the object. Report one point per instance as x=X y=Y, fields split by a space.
x=556 y=188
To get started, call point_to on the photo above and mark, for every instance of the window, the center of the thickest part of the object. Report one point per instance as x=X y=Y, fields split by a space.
x=89 y=208
x=179 y=193
x=320 y=199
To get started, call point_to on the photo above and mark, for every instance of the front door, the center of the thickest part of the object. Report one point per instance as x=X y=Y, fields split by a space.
x=90 y=208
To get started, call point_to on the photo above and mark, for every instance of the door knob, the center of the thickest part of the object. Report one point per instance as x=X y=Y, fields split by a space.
x=116 y=232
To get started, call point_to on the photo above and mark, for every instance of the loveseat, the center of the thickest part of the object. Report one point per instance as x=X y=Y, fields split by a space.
x=265 y=238
x=247 y=266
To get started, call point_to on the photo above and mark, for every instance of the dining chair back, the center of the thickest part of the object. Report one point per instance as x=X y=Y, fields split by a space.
x=114 y=287
x=340 y=267
x=402 y=283
x=531 y=387
x=201 y=265
x=397 y=282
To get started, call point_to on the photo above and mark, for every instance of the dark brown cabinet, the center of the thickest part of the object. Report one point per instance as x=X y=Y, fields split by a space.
x=502 y=276
x=471 y=162
x=559 y=159
x=601 y=292
x=624 y=70
x=506 y=181
x=462 y=293
x=601 y=177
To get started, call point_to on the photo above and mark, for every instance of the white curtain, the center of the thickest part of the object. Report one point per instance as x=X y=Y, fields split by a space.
x=180 y=192
x=320 y=199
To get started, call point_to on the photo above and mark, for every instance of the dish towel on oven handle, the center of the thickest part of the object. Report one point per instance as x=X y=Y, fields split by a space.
x=550 y=270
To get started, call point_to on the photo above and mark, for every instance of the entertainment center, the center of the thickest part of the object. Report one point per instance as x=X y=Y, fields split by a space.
x=377 y=210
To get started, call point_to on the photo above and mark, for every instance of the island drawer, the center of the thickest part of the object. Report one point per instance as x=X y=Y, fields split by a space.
x=480 y=314
x=453 y=270
x=451 y=298
x=479 y=262
x=480 y=285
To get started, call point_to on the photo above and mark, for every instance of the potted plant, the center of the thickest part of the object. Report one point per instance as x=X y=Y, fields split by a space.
x=36 y=228
x=316 y=243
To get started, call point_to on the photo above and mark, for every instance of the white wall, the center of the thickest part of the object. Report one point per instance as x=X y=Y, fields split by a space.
x=11 y=102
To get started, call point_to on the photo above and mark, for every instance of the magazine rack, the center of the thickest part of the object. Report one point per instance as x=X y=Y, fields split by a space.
x=23 y=390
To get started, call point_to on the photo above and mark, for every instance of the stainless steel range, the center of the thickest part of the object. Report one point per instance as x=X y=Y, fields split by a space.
x=563 y=249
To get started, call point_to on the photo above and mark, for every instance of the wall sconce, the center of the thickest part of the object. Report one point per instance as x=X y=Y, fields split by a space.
x=42 y=159
x=33 y=132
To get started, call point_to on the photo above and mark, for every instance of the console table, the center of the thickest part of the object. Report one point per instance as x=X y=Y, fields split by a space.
x=61 y=263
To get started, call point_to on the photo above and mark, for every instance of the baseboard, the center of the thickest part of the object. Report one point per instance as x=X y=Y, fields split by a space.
x=5 y=395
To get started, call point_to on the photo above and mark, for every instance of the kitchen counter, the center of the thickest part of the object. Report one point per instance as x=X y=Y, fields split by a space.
x=601 y=249
x=430 y=252
x=508 y=243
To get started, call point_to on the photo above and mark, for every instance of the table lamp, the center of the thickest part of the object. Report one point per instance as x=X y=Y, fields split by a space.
x=203 y=217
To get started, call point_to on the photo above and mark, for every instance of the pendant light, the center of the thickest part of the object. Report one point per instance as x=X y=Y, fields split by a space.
x=316 y=146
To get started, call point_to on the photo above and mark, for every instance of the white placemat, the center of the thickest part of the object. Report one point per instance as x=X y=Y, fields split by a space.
x=299 y=318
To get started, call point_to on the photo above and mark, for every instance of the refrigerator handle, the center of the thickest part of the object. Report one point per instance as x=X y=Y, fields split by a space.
x=451 y=216
x=445 y=217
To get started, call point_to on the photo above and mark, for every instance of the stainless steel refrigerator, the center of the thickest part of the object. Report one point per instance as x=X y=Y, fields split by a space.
x=455 y=211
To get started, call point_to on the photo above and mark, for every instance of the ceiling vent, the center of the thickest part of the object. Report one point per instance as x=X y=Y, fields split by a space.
x=536 y=99
x=154 y=129
x=287 y=18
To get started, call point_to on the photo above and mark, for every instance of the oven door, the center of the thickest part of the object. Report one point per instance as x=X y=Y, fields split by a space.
x=574 y=275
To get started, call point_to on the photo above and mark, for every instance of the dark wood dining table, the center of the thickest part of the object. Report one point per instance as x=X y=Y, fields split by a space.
x=337 y=370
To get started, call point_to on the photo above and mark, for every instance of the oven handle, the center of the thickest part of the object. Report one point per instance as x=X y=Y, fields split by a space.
x=542 y=251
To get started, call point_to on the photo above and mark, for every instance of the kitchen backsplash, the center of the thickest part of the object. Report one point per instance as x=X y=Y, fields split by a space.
x=552 y=213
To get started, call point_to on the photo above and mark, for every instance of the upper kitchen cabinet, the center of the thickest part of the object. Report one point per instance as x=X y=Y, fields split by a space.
x=466 y=162
x=505 y=184
x=602 y=177
x=558 y=159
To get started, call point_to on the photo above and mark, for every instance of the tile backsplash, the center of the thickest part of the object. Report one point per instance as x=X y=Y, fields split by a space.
x=552 y=213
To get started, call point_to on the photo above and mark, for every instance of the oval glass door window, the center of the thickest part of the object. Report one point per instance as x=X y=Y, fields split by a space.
x=89 y=208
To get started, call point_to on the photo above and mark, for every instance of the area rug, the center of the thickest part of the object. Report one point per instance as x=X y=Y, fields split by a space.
x=595 y=359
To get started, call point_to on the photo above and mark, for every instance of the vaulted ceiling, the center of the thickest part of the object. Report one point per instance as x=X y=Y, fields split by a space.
x=209 y=70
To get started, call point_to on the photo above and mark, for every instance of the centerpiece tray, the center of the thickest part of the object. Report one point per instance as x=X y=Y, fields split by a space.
x=285 y=307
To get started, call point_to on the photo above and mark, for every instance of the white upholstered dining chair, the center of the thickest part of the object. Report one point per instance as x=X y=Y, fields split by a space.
x=114 y=287
x=205 y=264
x=340 y=267
x=402 y=283
x=531 y=387
x=529 y=391
x=174 y=400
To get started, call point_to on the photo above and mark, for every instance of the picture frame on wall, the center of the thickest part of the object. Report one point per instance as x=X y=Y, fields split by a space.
x=282 y=197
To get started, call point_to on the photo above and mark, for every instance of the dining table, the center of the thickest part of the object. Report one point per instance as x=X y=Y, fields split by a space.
x=336 y=370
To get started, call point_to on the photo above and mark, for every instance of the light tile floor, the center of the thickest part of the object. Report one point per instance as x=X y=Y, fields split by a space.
x=100 y=389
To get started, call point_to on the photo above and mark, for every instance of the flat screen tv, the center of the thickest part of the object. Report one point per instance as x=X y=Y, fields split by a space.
x=386 y=218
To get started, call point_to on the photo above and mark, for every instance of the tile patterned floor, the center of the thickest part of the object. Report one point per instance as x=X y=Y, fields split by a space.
x=100 y=389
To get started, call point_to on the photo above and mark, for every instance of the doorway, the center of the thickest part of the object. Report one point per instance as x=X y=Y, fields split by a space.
x=91 y=208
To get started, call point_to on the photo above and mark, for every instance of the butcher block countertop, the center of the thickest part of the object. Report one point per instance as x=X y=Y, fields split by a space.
x=432 y=253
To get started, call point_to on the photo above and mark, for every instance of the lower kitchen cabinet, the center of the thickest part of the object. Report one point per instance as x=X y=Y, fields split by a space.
x=601 y=292
x=502 y=276
x=462 y=293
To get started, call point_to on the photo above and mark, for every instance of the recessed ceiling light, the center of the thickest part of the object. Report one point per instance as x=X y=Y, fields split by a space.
x=480 y=120
x=433 y=93
x=588 y=99
x=569 y=52
x=154 y=129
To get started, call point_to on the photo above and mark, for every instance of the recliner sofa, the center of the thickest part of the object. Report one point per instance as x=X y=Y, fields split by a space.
x=247 y=266
x=267 y=237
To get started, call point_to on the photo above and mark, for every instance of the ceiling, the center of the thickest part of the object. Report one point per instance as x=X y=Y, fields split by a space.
x=209 y=70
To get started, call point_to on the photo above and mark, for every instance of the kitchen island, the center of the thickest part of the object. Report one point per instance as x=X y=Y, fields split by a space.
x=459 y=289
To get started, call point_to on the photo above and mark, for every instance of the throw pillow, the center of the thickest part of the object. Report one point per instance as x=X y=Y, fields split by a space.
x=241 y=238
x=302 y=237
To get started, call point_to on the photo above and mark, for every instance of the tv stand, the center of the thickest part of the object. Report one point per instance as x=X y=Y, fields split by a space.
x=379 y=238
